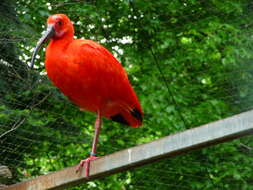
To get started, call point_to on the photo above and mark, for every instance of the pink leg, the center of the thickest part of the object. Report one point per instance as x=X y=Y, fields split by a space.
x=94 y=147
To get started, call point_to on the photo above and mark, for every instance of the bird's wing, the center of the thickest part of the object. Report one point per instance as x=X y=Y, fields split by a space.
x=97 y=62
x=109 y=78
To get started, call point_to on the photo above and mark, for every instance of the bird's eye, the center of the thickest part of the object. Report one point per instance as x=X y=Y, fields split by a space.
x=60 y=23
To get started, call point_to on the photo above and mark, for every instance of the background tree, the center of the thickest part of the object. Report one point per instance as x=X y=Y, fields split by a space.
x=190 y=63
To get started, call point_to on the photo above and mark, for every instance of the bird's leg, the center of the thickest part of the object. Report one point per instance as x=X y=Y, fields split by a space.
x=94 y=147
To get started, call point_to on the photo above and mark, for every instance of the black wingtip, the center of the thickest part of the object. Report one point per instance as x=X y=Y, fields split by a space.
x=137 y=114
x=120 y=119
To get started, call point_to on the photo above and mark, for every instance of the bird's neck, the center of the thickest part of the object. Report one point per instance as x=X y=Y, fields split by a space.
x=56 y=59
x=56 y=52
x=60 y=44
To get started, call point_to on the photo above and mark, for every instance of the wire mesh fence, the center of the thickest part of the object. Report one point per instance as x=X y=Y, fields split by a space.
x=190 y=63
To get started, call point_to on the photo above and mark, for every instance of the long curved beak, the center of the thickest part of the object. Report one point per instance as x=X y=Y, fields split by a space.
x=46 y=36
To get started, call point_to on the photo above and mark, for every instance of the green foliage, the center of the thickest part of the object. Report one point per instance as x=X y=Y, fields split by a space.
x=189 y=62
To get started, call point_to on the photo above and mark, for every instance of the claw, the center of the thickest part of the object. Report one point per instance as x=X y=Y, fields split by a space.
x=87 y=162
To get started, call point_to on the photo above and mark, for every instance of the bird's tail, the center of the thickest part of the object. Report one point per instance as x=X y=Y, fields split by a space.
x=132 y=117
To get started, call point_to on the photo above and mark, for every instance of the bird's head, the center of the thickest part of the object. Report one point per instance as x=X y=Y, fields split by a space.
x=59 y=27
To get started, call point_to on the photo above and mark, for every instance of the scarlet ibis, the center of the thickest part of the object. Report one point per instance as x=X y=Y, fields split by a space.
x=90 y=76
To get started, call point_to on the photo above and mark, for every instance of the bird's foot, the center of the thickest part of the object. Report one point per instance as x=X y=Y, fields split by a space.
x=87 y=162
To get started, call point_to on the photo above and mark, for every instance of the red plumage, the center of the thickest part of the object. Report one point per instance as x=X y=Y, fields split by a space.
x=91 y=77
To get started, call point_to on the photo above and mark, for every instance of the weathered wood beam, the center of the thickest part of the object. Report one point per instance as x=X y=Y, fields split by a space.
x=182 y=142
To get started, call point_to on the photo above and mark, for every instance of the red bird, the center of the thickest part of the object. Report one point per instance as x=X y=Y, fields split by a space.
x=90 y=76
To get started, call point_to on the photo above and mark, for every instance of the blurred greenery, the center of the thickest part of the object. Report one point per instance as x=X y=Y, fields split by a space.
x=190 y=63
